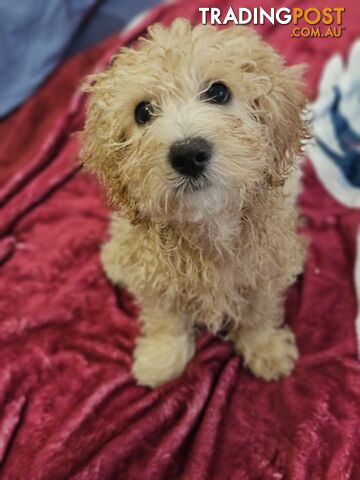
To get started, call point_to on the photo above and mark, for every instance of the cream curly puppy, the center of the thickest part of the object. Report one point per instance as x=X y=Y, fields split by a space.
x=195 y=134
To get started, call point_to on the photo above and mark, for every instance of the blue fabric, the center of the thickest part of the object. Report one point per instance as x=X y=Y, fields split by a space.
x=34 y=35
x=109 y=18
x=37 y=34
x=349 y=141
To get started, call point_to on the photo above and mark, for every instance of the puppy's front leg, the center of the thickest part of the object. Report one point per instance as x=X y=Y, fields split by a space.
x=269 y=352
x=163 y=349
x=268 y=348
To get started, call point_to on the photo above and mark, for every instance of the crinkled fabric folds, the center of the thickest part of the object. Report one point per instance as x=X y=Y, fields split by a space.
x=69 y=407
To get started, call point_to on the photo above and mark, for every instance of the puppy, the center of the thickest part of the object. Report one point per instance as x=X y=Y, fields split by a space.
x=195 y=134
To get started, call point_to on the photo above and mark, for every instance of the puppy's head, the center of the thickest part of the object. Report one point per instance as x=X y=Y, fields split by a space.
x=192 y=119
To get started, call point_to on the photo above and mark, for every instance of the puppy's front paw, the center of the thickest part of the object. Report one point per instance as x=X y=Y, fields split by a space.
x=269 y=354
x=160 y=358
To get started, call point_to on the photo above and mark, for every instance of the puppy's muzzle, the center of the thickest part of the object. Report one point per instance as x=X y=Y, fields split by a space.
x=190 y=157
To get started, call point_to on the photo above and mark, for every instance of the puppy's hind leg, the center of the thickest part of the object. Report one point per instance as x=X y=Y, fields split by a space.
x=113 y=251
x=111 y=262
x=163 y=349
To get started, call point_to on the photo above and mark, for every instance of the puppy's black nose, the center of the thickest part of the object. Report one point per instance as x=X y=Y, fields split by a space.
x=190 y=157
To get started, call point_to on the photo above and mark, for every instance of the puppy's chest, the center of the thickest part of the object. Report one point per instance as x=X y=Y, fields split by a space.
x=209 y=275
x=210 y=290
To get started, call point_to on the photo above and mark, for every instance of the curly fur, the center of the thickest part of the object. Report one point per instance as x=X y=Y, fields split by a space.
x=228 y=249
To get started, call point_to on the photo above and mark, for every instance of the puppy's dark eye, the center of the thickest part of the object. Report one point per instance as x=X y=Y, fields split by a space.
x=143 y=113
x=218 y=93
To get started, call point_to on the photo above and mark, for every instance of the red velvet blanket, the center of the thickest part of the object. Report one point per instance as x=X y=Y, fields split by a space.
x=69 y=407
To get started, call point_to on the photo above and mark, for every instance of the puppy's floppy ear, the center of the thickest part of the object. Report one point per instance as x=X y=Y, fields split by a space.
x=278 y=99
x=101 y=133
x=282 y=112
x=104 y=139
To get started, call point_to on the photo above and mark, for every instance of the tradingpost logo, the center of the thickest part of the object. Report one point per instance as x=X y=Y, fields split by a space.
x=310 y=22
